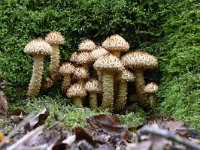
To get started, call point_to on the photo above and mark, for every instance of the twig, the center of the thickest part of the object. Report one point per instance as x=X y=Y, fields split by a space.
x=17 y=128
x=169 y=136
x=26 y=137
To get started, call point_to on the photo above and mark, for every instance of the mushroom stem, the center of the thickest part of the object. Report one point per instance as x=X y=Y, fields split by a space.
x=152 y=101
x=116 y=53
x=121 y=97
x=93 y=100
x=77 y=101
x=66 y=83
x=108 y=94
x=55 y=61
x=139 y=85
x=36 y=79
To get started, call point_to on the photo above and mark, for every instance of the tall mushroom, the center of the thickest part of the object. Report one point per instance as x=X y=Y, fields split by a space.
x=66 y=70
x=116 y=44
x=76 y=92
x=38 y=48
x=151 y=89
x=55 y=39
x=108 y=65
x=125 y=77
x=140 y=61
x=93 y=87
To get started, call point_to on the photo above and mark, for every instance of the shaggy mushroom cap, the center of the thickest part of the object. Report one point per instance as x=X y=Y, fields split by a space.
x=86 y=45
x=55 y=38
x=108 y=63
x=81 y=73
x=66 y=68
x=116 y=43
x=76 y=90
x=151 y=88
x=93 y=86
x=139 y=60
x=38 y=47
x=126 y=75
x=73 y=57
x=97 y=53
x=82 y=58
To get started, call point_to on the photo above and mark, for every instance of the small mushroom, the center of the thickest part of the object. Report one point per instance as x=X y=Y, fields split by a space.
x=76 y=92
x=38 y=48
x=151 y=89
x=93 y=87
x=66 y=70
x=115 y=44
x=83 y=58
x=140 y=61
x=46 y=83
x=81 y=74
x=108 y=65
x=55 y=39
x=86 y=45
x=125 y=77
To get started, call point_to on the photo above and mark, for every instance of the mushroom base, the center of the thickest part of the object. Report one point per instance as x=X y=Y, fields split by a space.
x=93 y=100
x=108 y=94
x=36 y=79
x=121 y=97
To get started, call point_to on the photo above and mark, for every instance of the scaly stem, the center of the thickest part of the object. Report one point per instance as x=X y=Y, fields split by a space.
x=121 y=97
x=108 y=94
x=93 y=100
x=55 y=62
x=152 y=101
x=66 y=83
x=36 y=79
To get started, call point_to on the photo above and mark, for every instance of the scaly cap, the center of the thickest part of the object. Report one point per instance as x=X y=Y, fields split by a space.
x=86 y=45
x=76 y=90
x=55 y=38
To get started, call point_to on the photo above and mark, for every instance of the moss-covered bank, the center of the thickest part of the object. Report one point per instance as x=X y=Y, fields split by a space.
x=168 y=29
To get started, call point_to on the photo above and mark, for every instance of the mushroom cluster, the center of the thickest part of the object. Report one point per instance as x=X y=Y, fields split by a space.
x=101 y=71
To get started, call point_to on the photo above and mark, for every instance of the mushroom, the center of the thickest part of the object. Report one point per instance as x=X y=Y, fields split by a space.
x=38 y=48
x=93 y=87
x=83 y=58
x=46 y=83
x=55 y=39
x=66 y=70
x=95 y=54
x=76 y=92
x=140 y=61
x=116 y=44
x=108 y=65
x=3 y=103
x=125 y=77
x=86 y=45
x=151 y=89
x=81 y=74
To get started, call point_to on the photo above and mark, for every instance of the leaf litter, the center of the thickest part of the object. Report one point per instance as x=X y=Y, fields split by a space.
x=105 y=133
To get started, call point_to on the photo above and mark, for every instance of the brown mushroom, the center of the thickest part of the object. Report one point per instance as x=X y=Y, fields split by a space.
x=76 y=92
x=83 y=59
x=81 y=74
x=55 y=39
x=66 y=70
x=115 y=44
x=125 y=77
x=140 y=61
x=151 y=89
x=86 y=45
x=38 y=48
x=108 y=65
x=93 y=87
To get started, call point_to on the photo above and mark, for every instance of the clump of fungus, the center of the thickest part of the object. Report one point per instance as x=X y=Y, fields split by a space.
x=38 y=48
x=86 y=45
x=66 y=70
x=93 y=87
x=140 y=61
x=81 y=74
x=125 y=77
x=55 y=39
x=76 y=92
x=151 y=89
x=108 y=65
x=116 y=44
